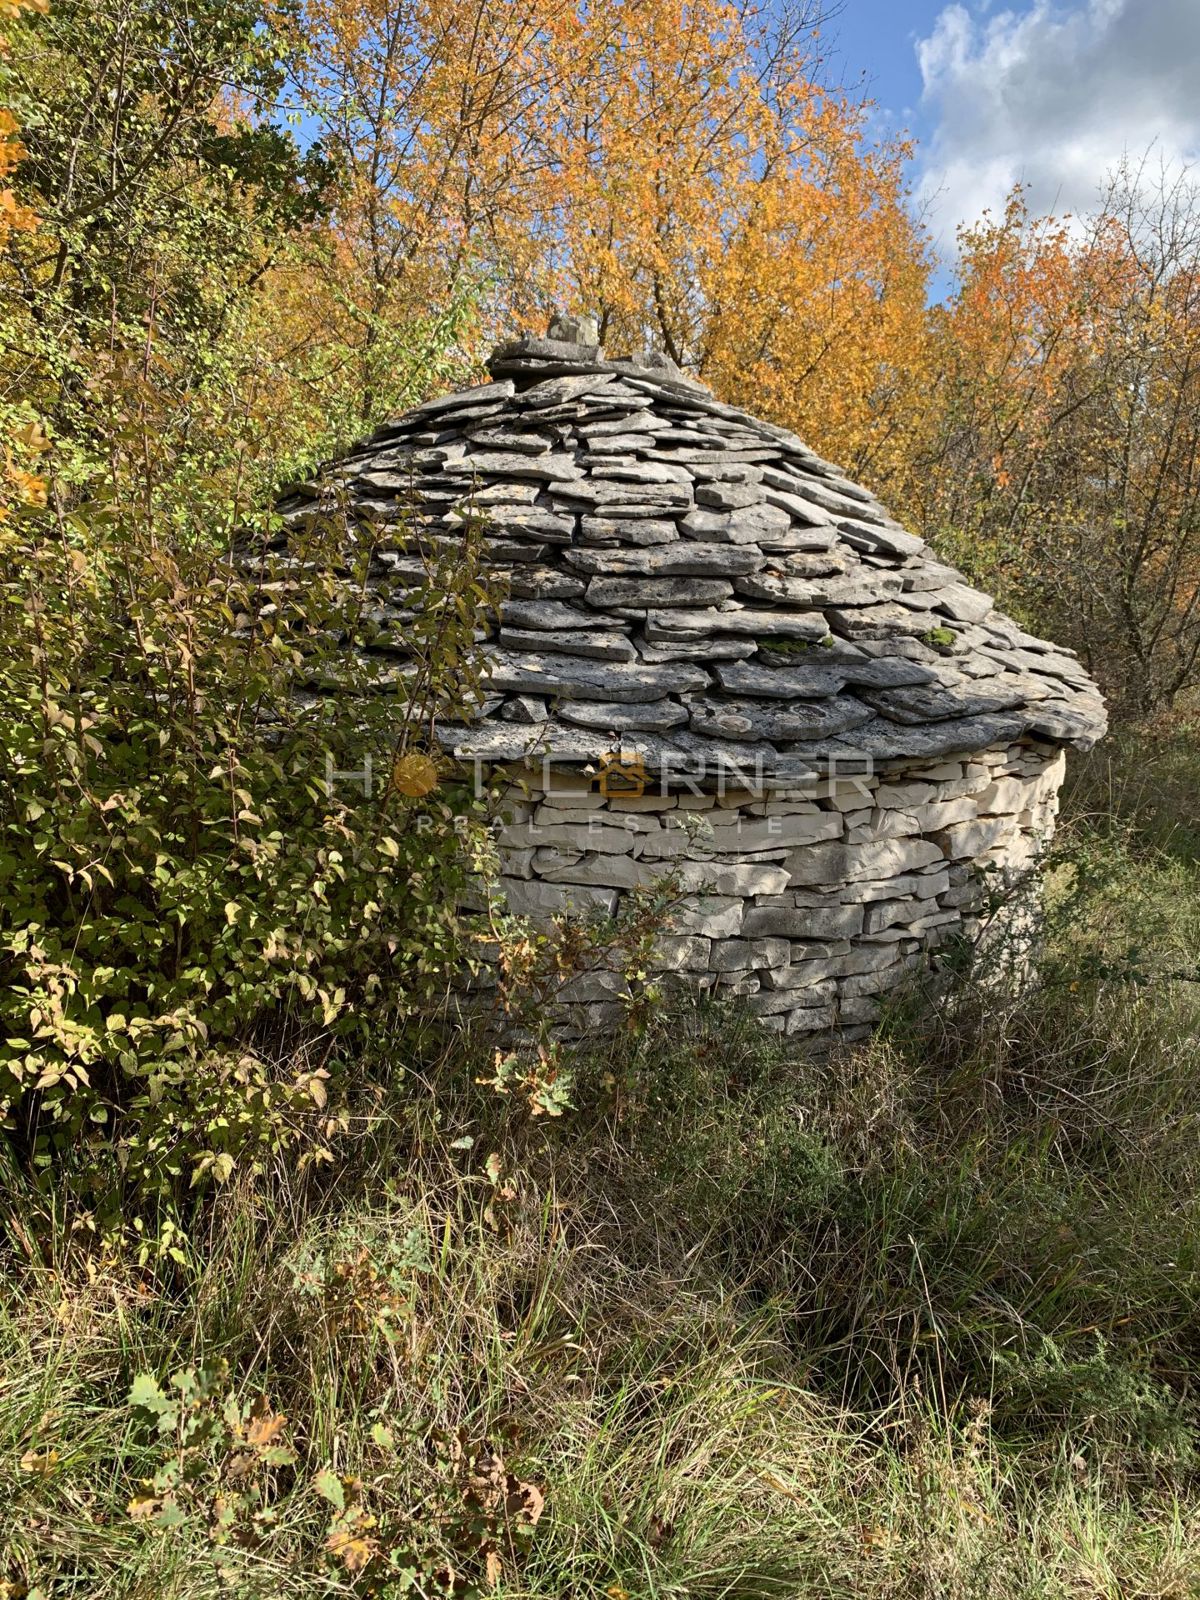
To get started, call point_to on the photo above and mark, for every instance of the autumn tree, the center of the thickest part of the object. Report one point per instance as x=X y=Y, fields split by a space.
x=24 y=437
x=164 y=190
x=1064 y=465
x=677 y=169
x=709 y=196
x=189 y=913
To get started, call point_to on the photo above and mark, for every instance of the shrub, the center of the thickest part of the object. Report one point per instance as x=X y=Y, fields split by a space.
x=211 y=884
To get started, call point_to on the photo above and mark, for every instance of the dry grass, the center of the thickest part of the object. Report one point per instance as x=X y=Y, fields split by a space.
x=923 y=1321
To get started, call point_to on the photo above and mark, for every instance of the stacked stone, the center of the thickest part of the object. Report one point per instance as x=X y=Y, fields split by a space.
x=859 y=729
x=810 y=903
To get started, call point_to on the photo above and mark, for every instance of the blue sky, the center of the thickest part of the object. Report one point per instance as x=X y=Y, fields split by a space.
x=874 y=44
x=1053 y=93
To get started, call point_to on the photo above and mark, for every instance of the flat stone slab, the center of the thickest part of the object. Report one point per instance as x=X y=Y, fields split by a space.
x=552 y=614
x=670 y=568
x=740 y=621
x=531 y=673
x=653 y=716
x=756 y=719
x=638 y=591
x=599 y=645
x=683 y=559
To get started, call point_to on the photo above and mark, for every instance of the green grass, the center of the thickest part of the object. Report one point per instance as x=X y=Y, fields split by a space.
x=921 y=1320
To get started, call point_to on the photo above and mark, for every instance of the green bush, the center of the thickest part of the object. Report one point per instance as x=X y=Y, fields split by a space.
x=199 y=920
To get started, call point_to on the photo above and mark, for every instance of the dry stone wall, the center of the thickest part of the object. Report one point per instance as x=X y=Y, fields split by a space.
x=809 y=903
x=683 y=580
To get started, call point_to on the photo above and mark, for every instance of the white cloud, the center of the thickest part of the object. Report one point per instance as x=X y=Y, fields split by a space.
x=1054 y=95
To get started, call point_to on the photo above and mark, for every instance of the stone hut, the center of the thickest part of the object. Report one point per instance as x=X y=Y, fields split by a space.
x=717 y=655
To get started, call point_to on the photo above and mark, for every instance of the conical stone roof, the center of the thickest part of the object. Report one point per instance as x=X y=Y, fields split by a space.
x=689 y=582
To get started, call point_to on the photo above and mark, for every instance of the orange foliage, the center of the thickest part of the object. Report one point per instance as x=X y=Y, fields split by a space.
x=1060 y=456
x=13 y=215
x=671 y=165
x=27 y=440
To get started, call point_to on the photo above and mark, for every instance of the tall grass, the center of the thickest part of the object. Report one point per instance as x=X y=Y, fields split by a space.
x=922 y=1319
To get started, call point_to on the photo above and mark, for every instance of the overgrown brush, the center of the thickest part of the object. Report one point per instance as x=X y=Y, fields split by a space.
x=921 y=1319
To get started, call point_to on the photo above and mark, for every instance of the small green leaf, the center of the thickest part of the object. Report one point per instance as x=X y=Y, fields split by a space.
x=329 y=1486
x=145 y=1393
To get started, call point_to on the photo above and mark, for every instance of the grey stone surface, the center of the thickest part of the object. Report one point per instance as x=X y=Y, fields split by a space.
x=530 y=673
x=682 y=586
x=655 y=716
x=599 y=644
x=637 y=531
x=551 y=614
x=757 y=719
x=639 y=591
x=684 y=558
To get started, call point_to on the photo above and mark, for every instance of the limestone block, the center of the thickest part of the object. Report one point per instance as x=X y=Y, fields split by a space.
x=737 y=955
x=606 y=871
x=885 y=825
x=736 y=799
x=933 y=930
x=818 y=949
x=839 y=863
x=811 y=1019
x=862 y=1010
x=561 y=782
x=827 y=790
x=590 y=1021
x=713 y=916
x=804 y=899
x=803 y=975
x=969 y=840
x=609 y=840
x=635 y=824
x=904 y=796
x=880 y=982
x=866 y=958
x=570 y=809
x=934 y=919
x=529 y=898
x=778 y=855
x=513 y=809
x=917 y=885
x=1008 y=794
x=682 y=953
x=945 y=813
x=776 y=807
x=1014 y=855
x=670 y=844
x=741 y=878
x=889 y=913
x=767 y=833
x=596 y=986
x=772 y=1002
x=737 y=985
x=941 y=772
x=643 y=802
x=964 y=895
x=1018 y=793
x=805 y=922
x=854 y=960
x=974 y=781
x=857 y=824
